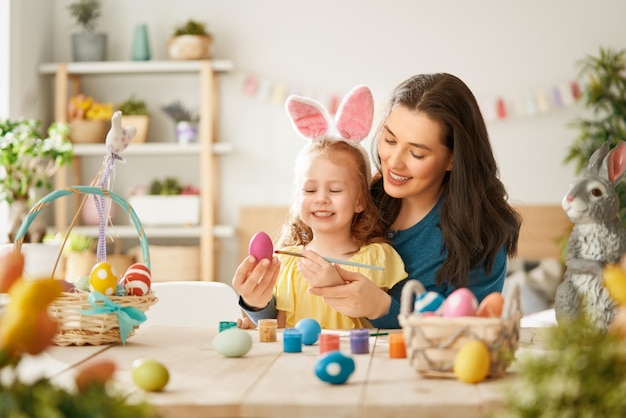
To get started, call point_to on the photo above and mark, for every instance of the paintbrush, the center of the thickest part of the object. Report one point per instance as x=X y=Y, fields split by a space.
x=333 y=260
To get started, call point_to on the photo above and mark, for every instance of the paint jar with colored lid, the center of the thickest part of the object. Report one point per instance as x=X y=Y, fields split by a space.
x=360 y=341
x=292 y=340
x=329 y=342
x=267 y=330
x=397 y=347
x=224 y=325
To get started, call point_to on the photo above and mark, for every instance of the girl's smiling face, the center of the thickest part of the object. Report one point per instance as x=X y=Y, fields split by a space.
x=413 y=158
x=329 y=194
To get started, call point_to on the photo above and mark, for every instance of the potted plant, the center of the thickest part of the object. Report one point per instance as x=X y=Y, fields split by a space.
x=28 y=162
x=135 y=113
x=604 y=94
x=190 y=41
x=167 y=202
x=88 y=45
x=186 y=121
x=90 y=120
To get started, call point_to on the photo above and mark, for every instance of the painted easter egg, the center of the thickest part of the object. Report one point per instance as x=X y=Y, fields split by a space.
x=137 y=280
x=232 y=342
x=334 y=367
x=261 y=246
x=150 y=375
x=428 y=302
x=491 y=306
x=472 y=362
x=310 y=329
x=461 y=302
x=103 y=279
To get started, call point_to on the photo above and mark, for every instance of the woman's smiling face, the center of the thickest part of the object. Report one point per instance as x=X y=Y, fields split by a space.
x=413 y=158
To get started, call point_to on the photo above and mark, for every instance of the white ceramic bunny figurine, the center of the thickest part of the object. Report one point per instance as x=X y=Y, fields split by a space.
x=597 y=238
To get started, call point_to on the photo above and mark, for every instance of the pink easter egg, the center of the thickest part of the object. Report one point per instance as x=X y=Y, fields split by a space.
x=261 y=246
x=461 y=302
x=137 y=279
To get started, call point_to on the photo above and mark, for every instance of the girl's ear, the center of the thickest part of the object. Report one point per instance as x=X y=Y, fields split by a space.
x=355 y=114
x=309 y=118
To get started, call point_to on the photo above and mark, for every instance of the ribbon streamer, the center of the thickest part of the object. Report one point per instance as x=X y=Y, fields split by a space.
x=127 y=317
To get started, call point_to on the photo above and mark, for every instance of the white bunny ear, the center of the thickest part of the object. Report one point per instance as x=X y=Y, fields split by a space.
x=308 y=117
x=355 y=114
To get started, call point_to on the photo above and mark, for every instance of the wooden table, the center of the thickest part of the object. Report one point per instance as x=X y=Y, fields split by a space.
x=268 y=382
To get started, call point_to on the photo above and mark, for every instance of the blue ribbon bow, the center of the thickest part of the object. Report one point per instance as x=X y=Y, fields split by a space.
x=127 y=317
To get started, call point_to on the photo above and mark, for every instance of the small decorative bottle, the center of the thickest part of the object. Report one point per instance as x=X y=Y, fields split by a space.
x=141 y=44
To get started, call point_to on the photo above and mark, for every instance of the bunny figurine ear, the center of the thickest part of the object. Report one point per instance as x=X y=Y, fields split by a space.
x=308 y=117
x=355 y=114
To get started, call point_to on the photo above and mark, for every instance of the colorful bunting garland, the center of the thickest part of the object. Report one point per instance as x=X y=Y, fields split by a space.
x=532 y=103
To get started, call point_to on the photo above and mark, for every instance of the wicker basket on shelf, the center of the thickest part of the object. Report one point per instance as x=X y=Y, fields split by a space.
x=433 y=341
x=76 y=328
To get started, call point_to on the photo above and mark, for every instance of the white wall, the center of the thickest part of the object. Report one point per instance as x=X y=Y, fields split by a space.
x=500 y=48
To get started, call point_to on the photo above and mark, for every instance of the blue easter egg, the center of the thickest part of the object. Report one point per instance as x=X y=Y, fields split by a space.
x=334 y=367
x=310 y=330
x=428 y=302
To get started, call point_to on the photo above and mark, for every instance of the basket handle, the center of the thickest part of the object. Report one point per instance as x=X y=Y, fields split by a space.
x=38 y=207
x=511 y=302
x=411 y=288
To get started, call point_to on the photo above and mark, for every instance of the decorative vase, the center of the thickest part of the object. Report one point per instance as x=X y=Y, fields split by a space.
x=88 y=46
x=186 y=131
x=141 y=43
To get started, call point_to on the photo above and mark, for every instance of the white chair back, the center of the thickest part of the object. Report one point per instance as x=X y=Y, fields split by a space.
x=193 y=304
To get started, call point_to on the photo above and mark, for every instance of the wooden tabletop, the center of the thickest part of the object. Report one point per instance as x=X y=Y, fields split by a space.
x=268 y=382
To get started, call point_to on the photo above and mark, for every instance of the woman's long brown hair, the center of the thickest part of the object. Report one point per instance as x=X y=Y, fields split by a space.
x=476 y=218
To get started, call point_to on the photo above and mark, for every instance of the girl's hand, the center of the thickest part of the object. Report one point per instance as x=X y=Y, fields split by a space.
x=358 y=298
x=317 y=271
x=255 y=281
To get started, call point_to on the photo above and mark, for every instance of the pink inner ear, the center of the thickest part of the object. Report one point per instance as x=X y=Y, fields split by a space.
x=355 y=114
x=617 y=161
x=307 y=118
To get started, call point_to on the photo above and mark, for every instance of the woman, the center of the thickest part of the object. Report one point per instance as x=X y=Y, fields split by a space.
x=438 y=189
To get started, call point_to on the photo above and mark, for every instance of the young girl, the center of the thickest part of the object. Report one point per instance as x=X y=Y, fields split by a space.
x=443 y=204
x=333 y=215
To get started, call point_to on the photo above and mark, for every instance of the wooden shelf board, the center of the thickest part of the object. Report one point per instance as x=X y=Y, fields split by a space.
x=125 y=67
x=129 y=231
x=153 y=148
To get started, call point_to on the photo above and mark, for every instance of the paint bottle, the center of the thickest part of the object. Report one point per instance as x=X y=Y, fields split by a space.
x=329 y=342
x=397 y=348
x=292 y=340
x=267 y=330
x=360 y=341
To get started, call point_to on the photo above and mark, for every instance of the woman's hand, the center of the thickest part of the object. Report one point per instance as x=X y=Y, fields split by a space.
x=317 y=271
x=359 y=297
x=255 y=281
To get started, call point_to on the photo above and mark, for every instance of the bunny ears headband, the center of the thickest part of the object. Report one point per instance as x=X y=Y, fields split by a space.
x=353 y=121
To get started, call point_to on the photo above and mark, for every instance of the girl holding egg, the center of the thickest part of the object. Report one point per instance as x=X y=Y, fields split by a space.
x=333 y=215
x=444 y=207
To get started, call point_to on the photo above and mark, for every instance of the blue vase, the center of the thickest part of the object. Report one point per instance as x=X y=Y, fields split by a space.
x=141 y=44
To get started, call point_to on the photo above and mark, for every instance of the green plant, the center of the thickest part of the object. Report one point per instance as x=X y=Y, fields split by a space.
x=133 y=106
x=169 y=186
x=581 y=372
x=191 y=27
x=604 y=95
x=86 y=13
x=28 y=159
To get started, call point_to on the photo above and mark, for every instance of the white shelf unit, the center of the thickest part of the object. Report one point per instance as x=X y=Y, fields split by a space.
x=68 y=78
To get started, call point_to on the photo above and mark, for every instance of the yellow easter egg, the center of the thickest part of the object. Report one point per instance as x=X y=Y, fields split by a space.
x=614 y=279
x=103 y=279
x=472 y=362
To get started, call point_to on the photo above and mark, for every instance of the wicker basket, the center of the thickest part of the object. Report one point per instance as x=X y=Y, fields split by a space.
x=433 y=341
x=76 y=328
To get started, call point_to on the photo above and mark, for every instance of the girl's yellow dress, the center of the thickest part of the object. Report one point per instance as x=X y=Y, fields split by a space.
x=293 y=299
